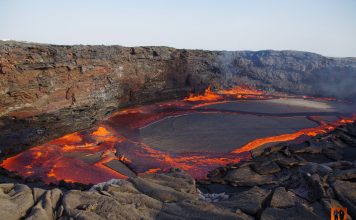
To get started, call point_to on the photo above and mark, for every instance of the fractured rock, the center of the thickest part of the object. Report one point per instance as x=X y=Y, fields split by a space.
x=160 y=192
x=92 y=205
x=175 y=178
x=281 y=198
x=194 y=209
x=265 y=167
x=294 y=213
x=349 y=174
x=245 y=176
x=315 y=168
x=346 y=193
x=243 y=216
x=286 y=162
x=250 y=201
x=15 y=200
x=46 y=207
x=340 y=165
x=332 y=153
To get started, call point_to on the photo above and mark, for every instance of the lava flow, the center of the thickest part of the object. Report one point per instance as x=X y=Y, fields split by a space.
x=208 y=95
x=59 y=159
x=115 y=149
x=311 y=132
x=243 y=92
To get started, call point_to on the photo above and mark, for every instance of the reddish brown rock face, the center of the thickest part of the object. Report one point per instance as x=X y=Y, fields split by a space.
x=41 y=79
x=45 y=87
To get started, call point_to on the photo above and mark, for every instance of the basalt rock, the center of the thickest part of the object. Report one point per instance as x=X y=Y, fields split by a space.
x=245 y=176
x=250 y=201
x=281 y=198
x=293 y=213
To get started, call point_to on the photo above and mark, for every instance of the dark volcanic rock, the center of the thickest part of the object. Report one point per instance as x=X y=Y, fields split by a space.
x=245 y=176
x=313 y=187
x=294 y=213
x=266 y=167
x=281 y=198
x=346 y=194
x=249 y=201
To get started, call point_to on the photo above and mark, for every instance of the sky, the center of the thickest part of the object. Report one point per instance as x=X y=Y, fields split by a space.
x=327 y=27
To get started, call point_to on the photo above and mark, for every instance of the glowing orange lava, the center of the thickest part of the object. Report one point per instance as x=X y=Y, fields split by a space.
x=311 y=132
x=101 y=131
x=57 y=160
x=85 y=156
x=240 y=91
x=209 y=95
x=237 y=92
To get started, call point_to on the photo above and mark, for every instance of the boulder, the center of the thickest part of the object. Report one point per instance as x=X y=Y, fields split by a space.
x=249 y=201
x=177 y=179
x=92 y=205
x=346 y=193
x=38 y=193
x=46 y=207
x=15 y=200
x=340 y=165
x=243 y=215
x=332 y=153
x=286 y=162
x=281 y=198
x=349 y=174
x=316 y=187
x=319 y=210
x=160 y=192
x=194 y=209
x=315 y=168
x=245 y=176
x=8 y=209
x=314 y=176
x=294 y=213
x=311 y=148
x=265 y=167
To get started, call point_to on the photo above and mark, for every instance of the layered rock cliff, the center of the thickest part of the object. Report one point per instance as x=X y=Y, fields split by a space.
x=49 y=90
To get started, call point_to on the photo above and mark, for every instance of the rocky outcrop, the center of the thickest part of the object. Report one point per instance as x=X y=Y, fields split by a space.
x=49 y=90
x=305 y=188
x=153 y=196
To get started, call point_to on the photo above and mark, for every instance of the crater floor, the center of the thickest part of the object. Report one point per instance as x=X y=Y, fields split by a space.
x=242 y=122
x=196 y=136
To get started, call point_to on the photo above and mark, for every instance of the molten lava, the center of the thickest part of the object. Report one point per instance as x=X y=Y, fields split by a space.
x=114 y=147
x=242 y=92
x=237 y=92
x=208 y=95
x=53 y=160
x=311 y=132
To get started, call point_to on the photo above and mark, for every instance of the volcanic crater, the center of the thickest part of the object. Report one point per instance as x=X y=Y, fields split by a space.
x=143 y=118
x=197 y=134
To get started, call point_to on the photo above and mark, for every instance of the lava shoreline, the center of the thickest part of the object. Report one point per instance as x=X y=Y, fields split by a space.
x=114 y=150
x=302 y=180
